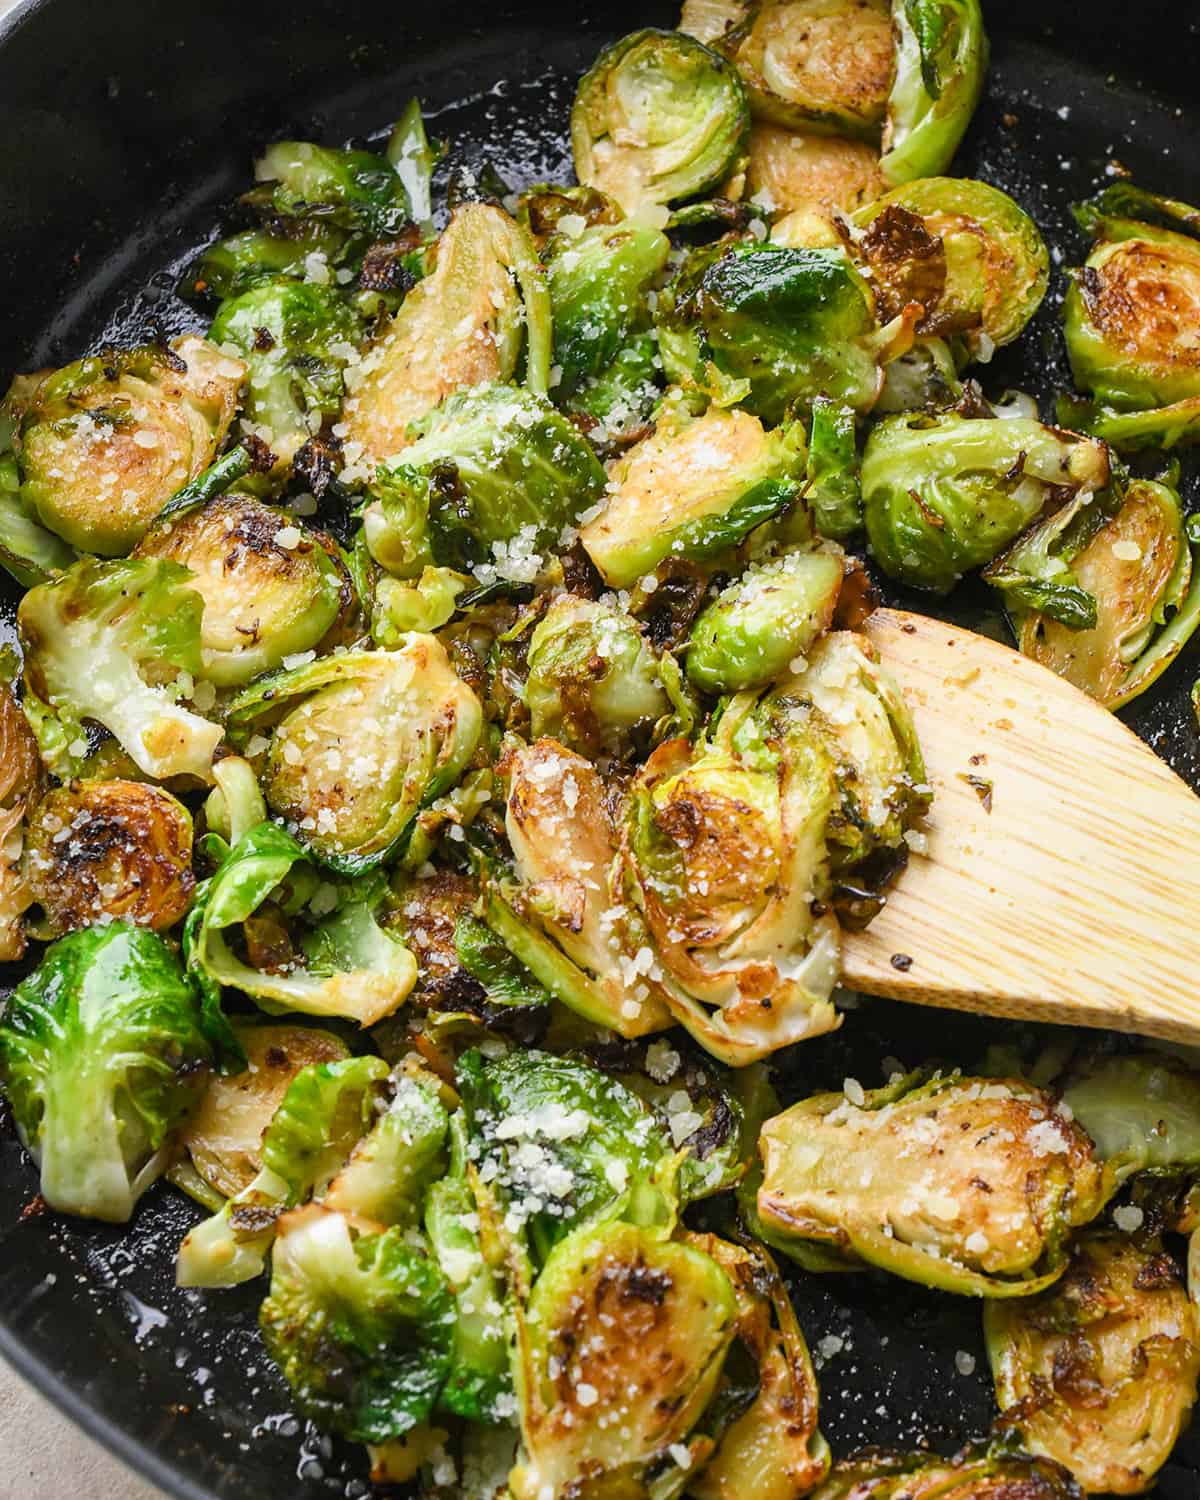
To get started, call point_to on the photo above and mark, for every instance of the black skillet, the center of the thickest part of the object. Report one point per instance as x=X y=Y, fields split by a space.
x=127 y=124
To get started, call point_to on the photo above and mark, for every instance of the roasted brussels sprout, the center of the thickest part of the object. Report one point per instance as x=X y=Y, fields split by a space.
x=117 y=642
x=464 y=325
x=103 y=1053
x=963 y=249
x=658 y=118
x=618 y=1352
x=693 y=490
x=593 y=681
x=1137 y=569
x=967 y=1185
x=345 y=964
x=489 y=481
x=759 y=626
x=981 y=1471
x=923 y=379
x=271 y=589
x=21 y=783
x=98 y=851
x=106 y=442
x=1142 y=1111
x=1173 y=426
x=296 y=339
x=235 y=265
x=832 y=491
x=28 y=551
x=941 y=59
x=788 y=171
x=944 y=494
x=614 y=407
x=565 y=917
x=353 y=190
x=1099 y=1373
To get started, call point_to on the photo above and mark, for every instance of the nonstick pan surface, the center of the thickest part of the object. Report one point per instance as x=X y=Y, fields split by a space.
x=127 y=126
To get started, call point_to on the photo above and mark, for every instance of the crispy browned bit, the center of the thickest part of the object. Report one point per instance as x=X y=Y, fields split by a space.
x=21 y=782
x=981 y=786
x=858 y=598
x=1008 y=121
x=977 y=760
x=34 y=1209
x=901 y=961
x=908 y=264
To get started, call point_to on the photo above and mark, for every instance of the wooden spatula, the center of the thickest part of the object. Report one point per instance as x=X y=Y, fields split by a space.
x=1062 y=879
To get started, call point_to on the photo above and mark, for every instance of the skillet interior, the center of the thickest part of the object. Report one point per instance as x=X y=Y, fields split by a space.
x=127 y=126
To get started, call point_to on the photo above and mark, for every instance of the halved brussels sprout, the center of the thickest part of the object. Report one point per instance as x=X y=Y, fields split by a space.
x=832 y=491
x=981 y=1471
x=1142 y=1111
x=945 y=494
x=768 y=1445
x=693 y=490
x=99 y=851
x=814 y=64
x=1174 y=426
x=593 y=681
x=941 y=59
x=271 y=589
x=618 y=1352
x=1035 y=575
x=386 y=1177
x=354 y=190
x=28 y=551
x=490 y=480
x=106 y=442
x=234 y=265
x=757 y=627
x=788 y=170
x=785 y=325
x=658 y=118
x=1131 y=312
x=1099 y=1373
x=21 y=783
x=378 y=735
x=724 y=844
x=224 y=1138
x=968 y=1185
x=1138 y=567
x=465 y=324
x=965 y=250
x=614 y=408
x=566 y=918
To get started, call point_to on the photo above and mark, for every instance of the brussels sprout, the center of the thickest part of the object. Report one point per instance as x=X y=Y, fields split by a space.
x=618 y=1352
x=693 y=492
x=944 y=494
x=769 y=1448
x=1142 y=1111
x=981 y=1471
x=790 y=324
x=963 y=249
x=789 y=171
x=412 y=158
x=235 y=265
x=345 y=964
x=565 y=918
x=1099 y=1373
x=1035 y=574
x=1173 y=426
x=21 y=784
x=490 y=480
x=757 y=626
x=224 y=1137
x=103 y=1053
x=358 y=1322
x=1138 y=569
x=1129 y=312
x=967 y=1185
x=106 y=442
x=593 y=681
x=724 y=844
x=941 y=59
x=464 y=325
x=296 y=340
x=352 y=190
x=404 y=1153
x=925 y=378
x=598 y=279
x=325 y=1109
x=480 y=953
x=97 y=851
x=832 y=491
x=658 y=118
x=28 y=551
x=615 y=406
x=103 y=642
x=271 y=589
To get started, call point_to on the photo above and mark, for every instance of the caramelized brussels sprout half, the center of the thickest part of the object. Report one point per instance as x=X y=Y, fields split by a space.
x=808 y=64
x=788 y=170
x=378 y=736
x=967 y=1185
x=757 y=627
x=981 y=1471
x=1131 y=312
x=21 y=783
x=593 y=681
x=618 y=1352
x=693 y=490
x=106 y=442
x=941 y=59
x=465 y=324
x=1099 y=1372
x=1142 y=1111
x=565 y=917
x=1138 y=568
x=945 y=494
x=99 y=851
x=490 y=480
x=965 y=250
x=234 y=265
x=271 y=589
x=658 y=118
x=353 y=190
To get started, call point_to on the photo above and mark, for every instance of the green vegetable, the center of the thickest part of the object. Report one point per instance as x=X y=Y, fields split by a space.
x=941 y=59
x=980 y=1471
x=352 y=190
x=1142 y=1111
x=398 y=1161
x=832 y=490
x=235 y=265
